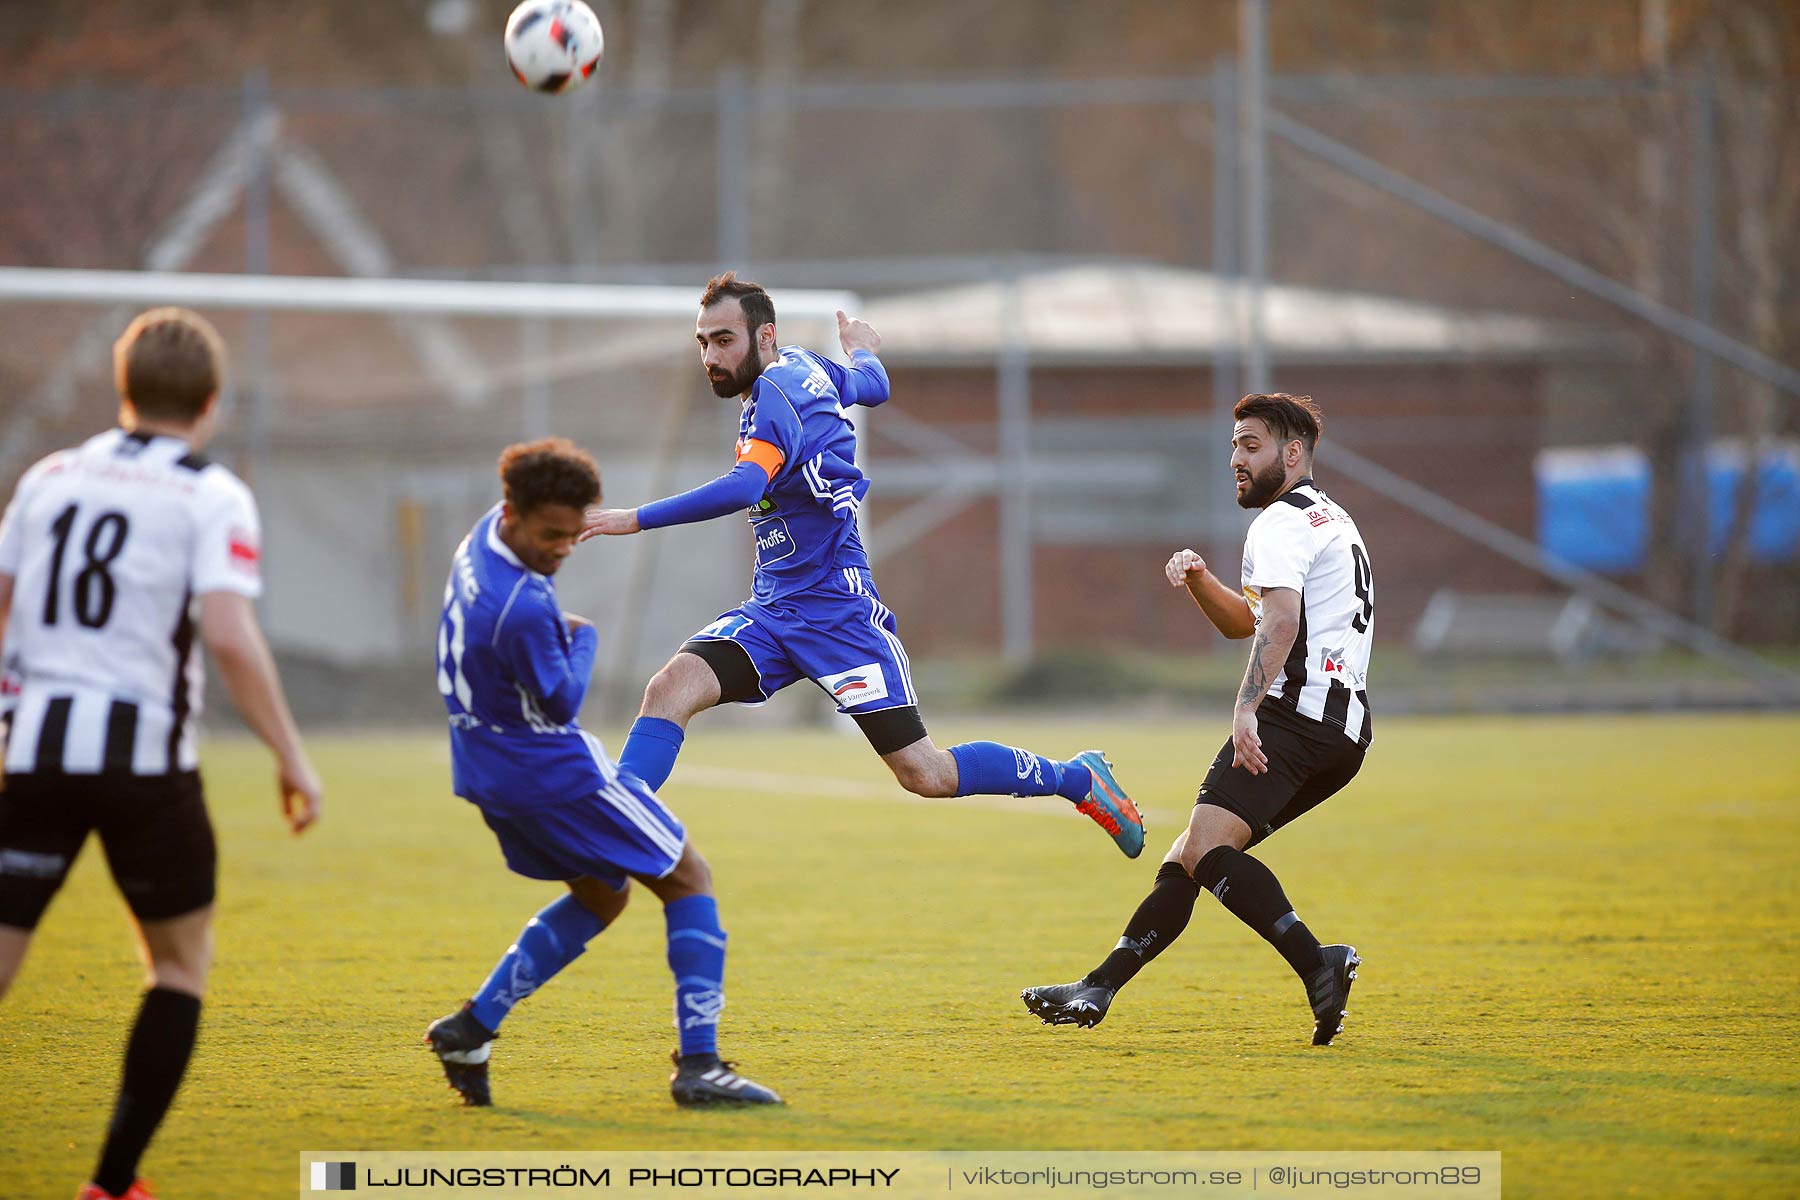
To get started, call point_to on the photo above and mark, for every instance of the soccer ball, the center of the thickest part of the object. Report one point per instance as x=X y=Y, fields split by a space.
x=553 y=45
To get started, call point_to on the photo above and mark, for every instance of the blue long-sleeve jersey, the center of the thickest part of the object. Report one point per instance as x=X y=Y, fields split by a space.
x=804 y=518
x=513 y=678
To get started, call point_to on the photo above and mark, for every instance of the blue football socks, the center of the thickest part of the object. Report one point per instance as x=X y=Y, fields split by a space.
x=1076 y=782
x=650 y=750
x=549 y=942
x=697 y=959
x=990 y=769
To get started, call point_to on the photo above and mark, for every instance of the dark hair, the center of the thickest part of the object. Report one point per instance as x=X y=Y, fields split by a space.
x=1288 y=417
x=169 y=362
x=759 y=310
x=552 y=471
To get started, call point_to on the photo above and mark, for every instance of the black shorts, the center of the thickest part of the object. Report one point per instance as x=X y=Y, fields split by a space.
x=1308 y=764
x=154 y=829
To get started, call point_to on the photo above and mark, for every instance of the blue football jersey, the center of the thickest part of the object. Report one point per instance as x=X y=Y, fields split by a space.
x=805 y=523
x=513 y=678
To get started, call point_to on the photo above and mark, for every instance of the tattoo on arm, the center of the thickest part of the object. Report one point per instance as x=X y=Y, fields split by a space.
x=1256 y=675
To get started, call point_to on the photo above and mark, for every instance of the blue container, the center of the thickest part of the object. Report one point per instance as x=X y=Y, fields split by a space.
x=1593 y=505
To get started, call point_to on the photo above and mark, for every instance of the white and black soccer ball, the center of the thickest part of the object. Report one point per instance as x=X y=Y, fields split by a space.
x=553 y=45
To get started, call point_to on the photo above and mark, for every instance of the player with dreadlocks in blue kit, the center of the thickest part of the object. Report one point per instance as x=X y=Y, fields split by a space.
x=814 y=612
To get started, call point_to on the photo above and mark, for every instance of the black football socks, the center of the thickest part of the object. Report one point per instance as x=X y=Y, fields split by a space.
x=1247 y=889
x=1157 y=922
x=1253 y=895
x=157 y=1054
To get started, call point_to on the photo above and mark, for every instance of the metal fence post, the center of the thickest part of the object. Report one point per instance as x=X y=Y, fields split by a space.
x=534 y=348
x=1253 y=18
x=1017 y=597
x=732 y=101
x=1222 y=495
x=258 y=397
x=1702 y=416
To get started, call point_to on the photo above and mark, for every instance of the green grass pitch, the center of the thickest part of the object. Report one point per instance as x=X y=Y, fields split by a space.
x=1578 y=936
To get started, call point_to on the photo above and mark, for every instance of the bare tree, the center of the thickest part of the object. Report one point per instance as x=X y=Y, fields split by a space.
x=1759 y=115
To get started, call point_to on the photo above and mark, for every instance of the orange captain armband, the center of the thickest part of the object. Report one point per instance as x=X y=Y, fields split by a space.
x=766 y=455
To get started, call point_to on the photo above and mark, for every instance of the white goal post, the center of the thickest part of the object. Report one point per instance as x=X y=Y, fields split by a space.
x=419 y=297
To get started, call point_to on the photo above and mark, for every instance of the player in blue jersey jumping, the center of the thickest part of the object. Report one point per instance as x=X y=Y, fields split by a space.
x=513 y=668
x=814 y=612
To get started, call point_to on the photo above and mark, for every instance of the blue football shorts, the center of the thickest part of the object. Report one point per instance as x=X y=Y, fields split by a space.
x=836 y=633
x=619 y=830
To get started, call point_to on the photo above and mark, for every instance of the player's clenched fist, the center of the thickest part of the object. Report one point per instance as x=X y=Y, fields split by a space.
x=1183 y=564
x=608 y=522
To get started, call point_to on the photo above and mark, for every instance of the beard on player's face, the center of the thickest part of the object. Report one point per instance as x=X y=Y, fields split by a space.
x=728 y=380
x=1264 y=483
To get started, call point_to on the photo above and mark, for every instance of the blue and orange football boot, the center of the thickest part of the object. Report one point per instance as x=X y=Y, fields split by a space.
x=1109 y=806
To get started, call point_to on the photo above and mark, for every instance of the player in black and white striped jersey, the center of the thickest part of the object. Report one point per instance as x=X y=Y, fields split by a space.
x=1299 y=729
x=114 y=556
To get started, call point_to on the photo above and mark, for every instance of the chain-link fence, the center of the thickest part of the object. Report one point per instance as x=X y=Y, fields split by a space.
x=1059 y=268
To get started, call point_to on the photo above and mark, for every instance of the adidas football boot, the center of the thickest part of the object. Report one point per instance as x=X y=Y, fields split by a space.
x=1328 y=991
x=702 y=1079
